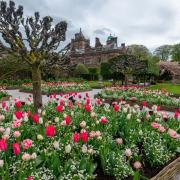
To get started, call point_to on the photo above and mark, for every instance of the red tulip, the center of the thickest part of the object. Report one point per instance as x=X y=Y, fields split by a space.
x=18 y=114
x=68 y=120
x=176 y=115
x=76 y=137
x=18 y=104
x=29 y=113
x=35 y=118
x=3 y=145
x=29 y=178
x=158 y=108
x=50 y=131
x=88 y=101
x=16 y=148
x=103 y=120
x=3 y=104
x=144 y=103
x=116 y=107
x=84 y=136
x=87 y=107
x=59 y=108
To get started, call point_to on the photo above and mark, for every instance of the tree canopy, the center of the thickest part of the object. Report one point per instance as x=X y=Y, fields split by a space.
x=81 y=69
x=163 y=52
x=127 y=65
x=176 y=52
x=140 y=51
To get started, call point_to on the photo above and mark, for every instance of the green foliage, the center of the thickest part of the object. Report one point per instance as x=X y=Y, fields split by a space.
x=163 y=52
x=156 y=151
x=11 y=66
x=81 y=69
x=140 y=51
x=176 y=52
x=105 y=70
x=3 y=94
x=153 y=67
x=94 y=70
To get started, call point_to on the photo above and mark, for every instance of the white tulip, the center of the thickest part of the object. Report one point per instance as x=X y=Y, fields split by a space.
x=68 y=148
x=84 y=149
x=1 y=163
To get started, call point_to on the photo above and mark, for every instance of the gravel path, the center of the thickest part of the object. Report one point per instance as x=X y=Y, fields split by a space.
x=23 y=96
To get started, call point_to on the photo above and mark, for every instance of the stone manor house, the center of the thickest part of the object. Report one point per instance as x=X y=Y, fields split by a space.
x=82 y=52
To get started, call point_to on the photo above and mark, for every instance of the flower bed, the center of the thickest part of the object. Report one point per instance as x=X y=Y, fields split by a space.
x=76 y=141
x=3 y=96
x=140 y=95
x=58 y=87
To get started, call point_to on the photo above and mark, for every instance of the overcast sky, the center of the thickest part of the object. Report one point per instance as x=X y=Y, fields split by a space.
x=148 y=22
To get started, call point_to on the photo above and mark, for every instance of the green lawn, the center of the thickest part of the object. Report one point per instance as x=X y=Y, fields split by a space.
x=171 y=88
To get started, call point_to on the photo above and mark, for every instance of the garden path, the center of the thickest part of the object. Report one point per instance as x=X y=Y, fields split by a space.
x=23 y=96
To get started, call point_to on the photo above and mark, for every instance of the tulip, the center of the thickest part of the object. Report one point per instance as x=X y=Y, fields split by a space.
x=16 y=148
x=137 y=165
x=128 y=152
x=84 y=136
x=3 y=145
x=68 y=148
x=50 y=131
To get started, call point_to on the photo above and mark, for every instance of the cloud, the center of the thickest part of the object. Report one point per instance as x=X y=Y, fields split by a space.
x=148 y=22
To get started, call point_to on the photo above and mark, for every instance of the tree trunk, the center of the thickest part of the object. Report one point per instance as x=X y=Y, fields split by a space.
x=36 y=80
x=144 y=80
x=126 y=79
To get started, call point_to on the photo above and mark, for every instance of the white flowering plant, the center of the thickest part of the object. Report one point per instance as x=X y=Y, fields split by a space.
x=72 y=140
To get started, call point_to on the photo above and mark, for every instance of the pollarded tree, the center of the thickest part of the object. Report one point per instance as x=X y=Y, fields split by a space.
x=32 y=38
